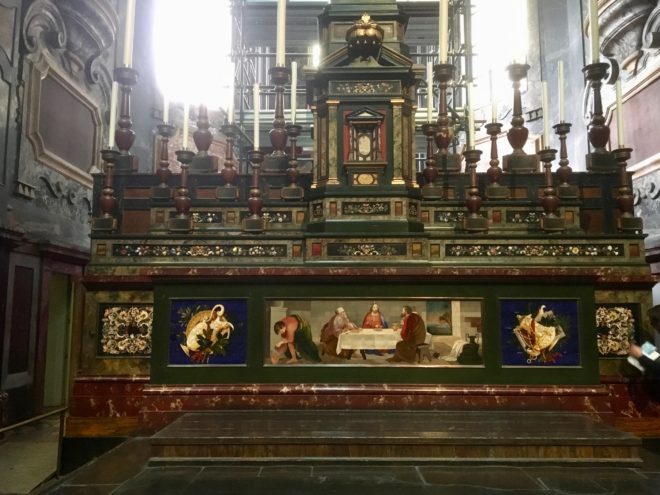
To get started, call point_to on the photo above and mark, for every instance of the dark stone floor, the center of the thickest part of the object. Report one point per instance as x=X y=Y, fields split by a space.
x=128 y=470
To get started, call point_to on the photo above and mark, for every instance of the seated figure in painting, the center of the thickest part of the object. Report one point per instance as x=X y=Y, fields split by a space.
x=335 y=326
x=413 y=333
x=374 y=318
x=296 y=343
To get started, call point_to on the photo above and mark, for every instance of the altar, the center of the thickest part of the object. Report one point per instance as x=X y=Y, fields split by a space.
x=197 y=277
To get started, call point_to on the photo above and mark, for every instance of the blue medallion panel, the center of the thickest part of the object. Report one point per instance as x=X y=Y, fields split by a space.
x=540 y=332
x=208 y=331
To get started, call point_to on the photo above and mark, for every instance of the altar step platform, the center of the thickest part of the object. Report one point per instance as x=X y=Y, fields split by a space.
x=396 y=436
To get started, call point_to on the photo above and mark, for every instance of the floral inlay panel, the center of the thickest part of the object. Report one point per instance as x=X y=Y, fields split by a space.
x=126 y=330
x=274 y=217
x=518 y=216
x=615 y=324
x=535 y=250
x=365 y=208
x=441 y=216
x=367 y=249
x=364 y=88
x=196 y=250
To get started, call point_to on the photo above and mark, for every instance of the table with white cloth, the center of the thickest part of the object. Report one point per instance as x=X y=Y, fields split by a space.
x=368 y=338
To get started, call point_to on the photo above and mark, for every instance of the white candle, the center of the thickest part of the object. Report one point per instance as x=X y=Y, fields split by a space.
x=470 y=116
x=593 y=31
x=166 y=108
x=546 y=114
x=429 y=91
x=255 y=98
x=281 y=32
x=113 y=115
x=443 y=20
x=619 y=114
x=230 y=109
x=493 y=105
x=186 y=111
x=128 y=32
x=560 y=92
x=294 y=88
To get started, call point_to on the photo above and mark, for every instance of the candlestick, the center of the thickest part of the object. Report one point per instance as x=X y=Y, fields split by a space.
x=162 y=191
x=279 y=76
x=495 y=190
x=431 y=190
x=619 y=115
x=255 y=105
x=474 y=221
x=627 y=221
x=186 y=111
x=493 y=105
x=182 y=222
x=598 y=131
x=113 y=115
x=550 y=221
x=518 y=161
x=255 y=222
x=546 y=115
x=594 y=31
x=281 y=33
x=294 y=88
x=166 y=108
x=107 y=202
x=443 y=19
x=429 y=91
x=564 y=172
x=560 y=92
x=444 y=74
x=129 y=28
x=228 y=191
x=470 y=118
x=230 y=109
x=126 y=77
x=293 y=192
x=204 y=162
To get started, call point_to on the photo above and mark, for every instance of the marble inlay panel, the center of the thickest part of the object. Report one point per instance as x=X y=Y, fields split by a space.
x=534 y=250
x=125 y=330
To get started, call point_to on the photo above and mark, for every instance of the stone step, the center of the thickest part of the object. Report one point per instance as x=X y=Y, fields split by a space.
x=396 y=436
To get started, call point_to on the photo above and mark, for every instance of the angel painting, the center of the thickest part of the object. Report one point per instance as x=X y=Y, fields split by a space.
x=207 y=333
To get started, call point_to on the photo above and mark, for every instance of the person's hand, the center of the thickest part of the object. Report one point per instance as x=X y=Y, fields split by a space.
x=635 y=351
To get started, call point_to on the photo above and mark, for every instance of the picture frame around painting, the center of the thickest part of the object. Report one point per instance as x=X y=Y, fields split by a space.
x=437 y=332
x=208 y=331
